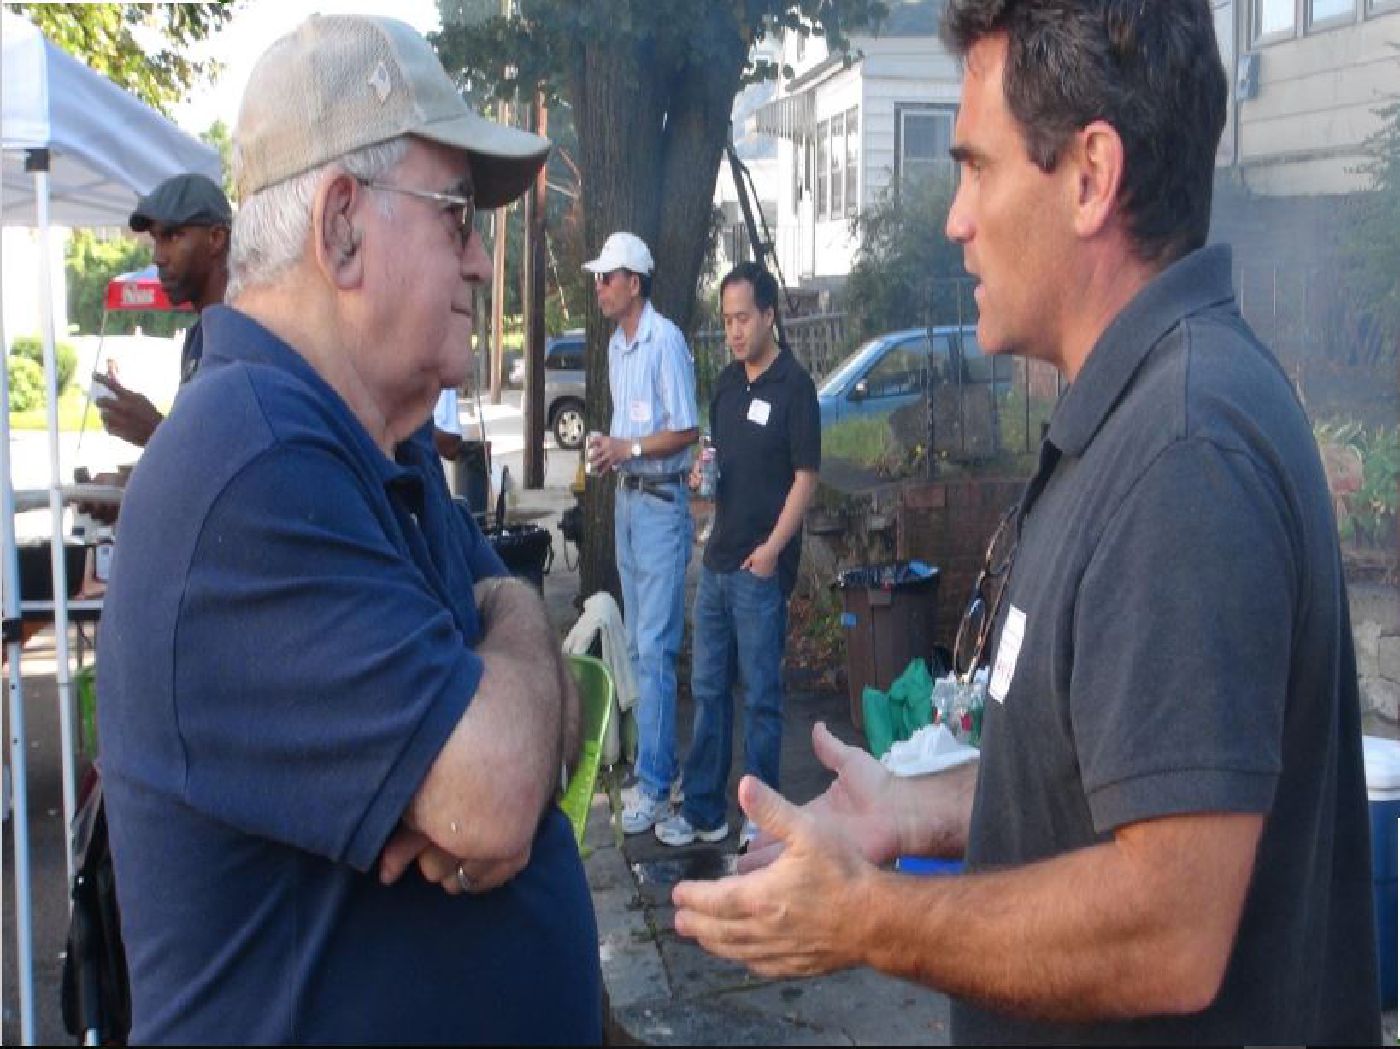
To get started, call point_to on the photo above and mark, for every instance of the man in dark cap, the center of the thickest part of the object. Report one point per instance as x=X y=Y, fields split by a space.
x=188 y=218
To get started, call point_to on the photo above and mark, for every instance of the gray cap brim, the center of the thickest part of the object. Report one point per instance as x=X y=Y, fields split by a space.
x=504 y=160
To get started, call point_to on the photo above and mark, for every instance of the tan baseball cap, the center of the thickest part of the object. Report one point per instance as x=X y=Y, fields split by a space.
x=339 y=83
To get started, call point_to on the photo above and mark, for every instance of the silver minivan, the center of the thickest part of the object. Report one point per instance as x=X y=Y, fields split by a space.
x=564 y=386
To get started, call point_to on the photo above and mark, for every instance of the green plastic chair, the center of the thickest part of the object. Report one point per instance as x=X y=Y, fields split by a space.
x=595 y=693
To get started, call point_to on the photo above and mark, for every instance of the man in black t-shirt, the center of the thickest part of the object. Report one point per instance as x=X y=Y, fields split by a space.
x=766 y=427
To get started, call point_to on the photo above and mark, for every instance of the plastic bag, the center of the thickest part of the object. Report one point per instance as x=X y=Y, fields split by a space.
x=899 y=713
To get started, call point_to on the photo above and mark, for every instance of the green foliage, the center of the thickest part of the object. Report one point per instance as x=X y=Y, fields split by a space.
x=868 y=441
x=907 y=273
x=31 y=348
x=218 y=135
x=538 y=46
x=74 y=413
x=92 y=261
x=1370 y=514
x=26 y=383
x=108 y=38
x=1012 y=418
x=1371 y=245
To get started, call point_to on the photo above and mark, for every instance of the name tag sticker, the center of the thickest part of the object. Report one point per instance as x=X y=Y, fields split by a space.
x=640 y=412
x=759 y=411
x=1008 y=651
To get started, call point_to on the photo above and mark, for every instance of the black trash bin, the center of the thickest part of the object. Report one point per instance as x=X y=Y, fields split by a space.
x=471 y=476
x=526 y=549
x=887 y=620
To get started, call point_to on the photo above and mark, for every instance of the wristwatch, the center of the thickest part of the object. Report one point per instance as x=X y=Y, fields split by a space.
x=636 y=449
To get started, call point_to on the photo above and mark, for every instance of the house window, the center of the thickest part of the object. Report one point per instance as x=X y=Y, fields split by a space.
x=1330 y=11
x=1274 y=18
x=852 y=160
x=823 y=201
x=837 y=155
x=799 y=157
x=925 y=134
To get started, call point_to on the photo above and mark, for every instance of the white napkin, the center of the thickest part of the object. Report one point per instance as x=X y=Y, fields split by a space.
x=931 y=749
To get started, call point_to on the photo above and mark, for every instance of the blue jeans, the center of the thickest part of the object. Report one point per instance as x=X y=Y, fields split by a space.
x=740 y=625
x=653 y=549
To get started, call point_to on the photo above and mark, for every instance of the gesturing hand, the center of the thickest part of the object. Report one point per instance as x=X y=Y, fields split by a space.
x=792 y=918
x=860 y=805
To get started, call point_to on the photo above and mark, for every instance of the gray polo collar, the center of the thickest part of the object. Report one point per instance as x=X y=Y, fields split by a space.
x=1191 y=284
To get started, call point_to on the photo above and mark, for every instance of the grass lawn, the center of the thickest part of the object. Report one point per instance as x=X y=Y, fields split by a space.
x=70 y=415
x=866 y=441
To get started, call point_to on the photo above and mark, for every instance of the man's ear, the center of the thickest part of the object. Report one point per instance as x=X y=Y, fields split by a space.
x=1099 y=164
x=335 y=232
x=218 y=239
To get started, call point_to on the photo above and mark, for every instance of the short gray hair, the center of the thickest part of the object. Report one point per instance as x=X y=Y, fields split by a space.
x=271 y=227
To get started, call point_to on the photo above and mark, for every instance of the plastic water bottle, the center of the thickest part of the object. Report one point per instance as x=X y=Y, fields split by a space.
x=709 y=469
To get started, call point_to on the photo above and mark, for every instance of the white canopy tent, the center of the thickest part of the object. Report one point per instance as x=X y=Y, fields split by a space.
x=78 y=151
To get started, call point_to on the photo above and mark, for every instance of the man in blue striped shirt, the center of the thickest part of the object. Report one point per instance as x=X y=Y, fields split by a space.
x=654 y=423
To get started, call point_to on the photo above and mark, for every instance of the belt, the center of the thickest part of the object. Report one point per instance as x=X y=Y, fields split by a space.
x=651 y=484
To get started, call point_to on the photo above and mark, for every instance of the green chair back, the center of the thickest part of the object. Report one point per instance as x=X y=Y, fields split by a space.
x=595 y=693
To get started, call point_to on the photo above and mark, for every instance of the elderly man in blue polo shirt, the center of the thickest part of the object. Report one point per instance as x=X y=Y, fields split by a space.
x=654 y=423
x=332 y=728
x=1167 y=836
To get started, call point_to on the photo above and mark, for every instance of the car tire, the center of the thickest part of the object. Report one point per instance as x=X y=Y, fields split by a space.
x=567 y=423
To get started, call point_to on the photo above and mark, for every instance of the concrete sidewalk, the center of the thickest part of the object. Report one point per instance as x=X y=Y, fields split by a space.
x=664 y=989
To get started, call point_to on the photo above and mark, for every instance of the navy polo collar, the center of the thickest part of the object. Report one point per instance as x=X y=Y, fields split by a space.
x=1187 y=286
x=232 y=337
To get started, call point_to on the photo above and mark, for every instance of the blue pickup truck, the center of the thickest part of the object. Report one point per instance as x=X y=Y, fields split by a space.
x=893 y=370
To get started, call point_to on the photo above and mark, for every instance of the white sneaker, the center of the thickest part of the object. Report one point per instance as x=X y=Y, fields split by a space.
x=641 y=811
x=678 y=831
x=747 y=835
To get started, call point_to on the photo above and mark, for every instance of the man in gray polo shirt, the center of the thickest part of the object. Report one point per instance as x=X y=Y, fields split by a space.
x=1167 y=836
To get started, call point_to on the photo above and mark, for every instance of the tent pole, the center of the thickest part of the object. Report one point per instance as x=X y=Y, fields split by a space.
x=19 y=745
x=62 y=669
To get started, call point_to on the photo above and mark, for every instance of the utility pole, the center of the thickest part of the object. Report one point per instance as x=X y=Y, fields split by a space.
x=498 y=268
x=533 y=262
x=498 y=288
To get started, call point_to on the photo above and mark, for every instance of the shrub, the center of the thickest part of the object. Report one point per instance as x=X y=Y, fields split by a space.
x=31 y=347
x=26 y=383
x=1367 y=514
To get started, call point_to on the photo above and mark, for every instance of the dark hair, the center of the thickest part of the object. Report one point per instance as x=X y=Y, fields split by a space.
x=765 y=287
x=643 y=283
x=1149 y=68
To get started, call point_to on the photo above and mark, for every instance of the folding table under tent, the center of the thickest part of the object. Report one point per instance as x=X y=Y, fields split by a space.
x=77 y=151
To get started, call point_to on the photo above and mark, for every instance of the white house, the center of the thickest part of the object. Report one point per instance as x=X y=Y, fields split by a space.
x=848 y=128
x=1309 y=76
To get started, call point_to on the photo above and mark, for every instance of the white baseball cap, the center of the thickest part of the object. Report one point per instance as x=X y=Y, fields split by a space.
x=622 y=251
x=339 y=83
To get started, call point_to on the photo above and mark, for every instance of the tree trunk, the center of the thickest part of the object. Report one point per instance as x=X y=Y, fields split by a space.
x=700 y=102
x=618 y=116
x=649 y=132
